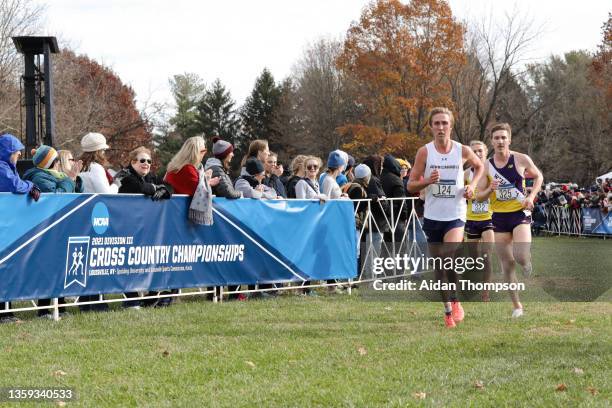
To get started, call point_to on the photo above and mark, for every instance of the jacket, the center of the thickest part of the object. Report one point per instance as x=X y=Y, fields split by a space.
x=224 y=188
x=274 y=182
x=50 y=181
x=95 y=180
x=290 y=186
x=394 y=187
x=134 y=183
x=380 y=209
x=247 y=184
x=9 y=178
x=184 y=181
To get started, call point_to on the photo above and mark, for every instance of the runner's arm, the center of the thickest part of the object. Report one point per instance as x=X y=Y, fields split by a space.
x=417 y=182
x=484 y=186
x=532 y=169
x=471 y=158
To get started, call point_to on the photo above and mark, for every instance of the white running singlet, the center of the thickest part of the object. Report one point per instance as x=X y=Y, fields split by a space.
x=444 y=200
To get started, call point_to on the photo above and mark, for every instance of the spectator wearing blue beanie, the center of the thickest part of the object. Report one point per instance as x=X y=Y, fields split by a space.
x=335 y=164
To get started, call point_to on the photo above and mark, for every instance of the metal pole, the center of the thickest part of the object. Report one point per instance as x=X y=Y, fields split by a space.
x=55 y=309
x=29 y=83
x=49 y=111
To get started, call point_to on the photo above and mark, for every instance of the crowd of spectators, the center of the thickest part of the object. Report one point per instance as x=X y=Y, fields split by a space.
x=571 y=196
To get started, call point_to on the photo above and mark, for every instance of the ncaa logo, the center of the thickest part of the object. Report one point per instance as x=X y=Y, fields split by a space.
x=100 y=218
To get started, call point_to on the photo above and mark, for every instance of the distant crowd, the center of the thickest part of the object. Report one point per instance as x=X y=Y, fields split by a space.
x=573 y=197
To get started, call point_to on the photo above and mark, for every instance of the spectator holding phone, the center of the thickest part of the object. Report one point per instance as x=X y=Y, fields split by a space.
x=273 y=173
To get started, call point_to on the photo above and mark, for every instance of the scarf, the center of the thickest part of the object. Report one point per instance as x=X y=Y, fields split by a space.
x=200 y=210
x=57 y=174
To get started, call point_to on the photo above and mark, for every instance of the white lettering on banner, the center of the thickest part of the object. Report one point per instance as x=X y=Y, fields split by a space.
x=118 y=251
x=148 y=255
x=207 y=253
x=106 y=256
x=100 y=222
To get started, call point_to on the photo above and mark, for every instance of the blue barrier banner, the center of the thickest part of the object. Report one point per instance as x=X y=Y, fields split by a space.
x=605 y=226
x=591 y=219
x=85 y=244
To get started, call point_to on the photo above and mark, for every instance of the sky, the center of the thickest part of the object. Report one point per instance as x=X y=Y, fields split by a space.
x=148 y=41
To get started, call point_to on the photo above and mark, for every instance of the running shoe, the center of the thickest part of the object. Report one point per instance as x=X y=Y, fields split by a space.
x=457 y=311
x=517 y=312
x=449 y=321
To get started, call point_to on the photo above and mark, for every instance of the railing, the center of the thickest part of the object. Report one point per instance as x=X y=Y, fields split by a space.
x=568 y=221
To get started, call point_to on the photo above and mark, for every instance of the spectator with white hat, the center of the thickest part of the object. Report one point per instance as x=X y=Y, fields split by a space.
x=95 y=177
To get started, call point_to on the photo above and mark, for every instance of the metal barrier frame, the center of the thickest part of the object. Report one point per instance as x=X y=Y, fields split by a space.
x=566 y=221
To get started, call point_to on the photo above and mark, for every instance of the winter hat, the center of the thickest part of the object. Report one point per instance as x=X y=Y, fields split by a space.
x=254 y=167
x=44 y=156
x=341 y=180
x=9 y=144
x=362 y=171
x=92 y=142
x=403 y=163
x=336 y=160
x=221 y=148
x=351 y=162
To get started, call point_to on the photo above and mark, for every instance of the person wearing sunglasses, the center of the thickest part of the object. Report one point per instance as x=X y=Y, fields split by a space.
x=137 y=177
x=308 y=186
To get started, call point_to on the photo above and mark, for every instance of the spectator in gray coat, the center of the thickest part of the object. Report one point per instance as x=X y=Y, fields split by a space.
x=220 y=165
x=251 y=184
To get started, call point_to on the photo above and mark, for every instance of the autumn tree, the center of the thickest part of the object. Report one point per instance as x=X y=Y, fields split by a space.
x=400 y=57
x=216 y=113
x=90 y=97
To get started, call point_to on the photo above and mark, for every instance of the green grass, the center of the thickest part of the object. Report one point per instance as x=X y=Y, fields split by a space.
x=328 y=351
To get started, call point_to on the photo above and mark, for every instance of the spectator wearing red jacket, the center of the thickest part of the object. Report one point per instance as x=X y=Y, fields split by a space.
x=183 y=175
x=183 y=172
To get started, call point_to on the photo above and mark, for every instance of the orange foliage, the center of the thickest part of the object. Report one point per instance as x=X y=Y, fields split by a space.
x=400 y=56
x=602 y=63
x=90 y=97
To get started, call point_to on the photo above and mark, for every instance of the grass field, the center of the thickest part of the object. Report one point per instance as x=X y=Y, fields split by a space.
x=337 y=350
x=326 y=351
